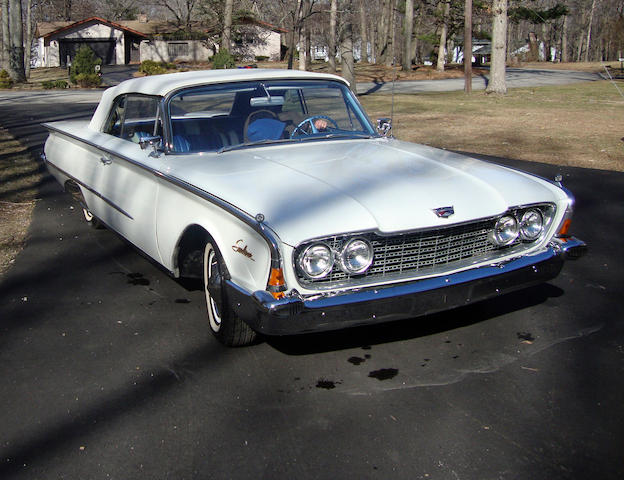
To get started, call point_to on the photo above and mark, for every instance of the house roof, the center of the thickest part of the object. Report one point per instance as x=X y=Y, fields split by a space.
x=48 y=29
x=141 y=28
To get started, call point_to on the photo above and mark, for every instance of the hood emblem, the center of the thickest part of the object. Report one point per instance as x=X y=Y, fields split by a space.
x=444 y=212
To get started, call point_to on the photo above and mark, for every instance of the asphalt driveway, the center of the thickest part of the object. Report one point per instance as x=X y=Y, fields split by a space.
x=109 y=369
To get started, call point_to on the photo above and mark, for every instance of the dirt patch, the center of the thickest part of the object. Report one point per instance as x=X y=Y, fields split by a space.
x=20 y=175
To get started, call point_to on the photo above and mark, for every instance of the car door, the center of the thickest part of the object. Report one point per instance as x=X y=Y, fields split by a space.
x=125 y=172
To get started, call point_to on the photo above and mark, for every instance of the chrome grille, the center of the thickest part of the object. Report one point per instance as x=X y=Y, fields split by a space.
x=423 y=252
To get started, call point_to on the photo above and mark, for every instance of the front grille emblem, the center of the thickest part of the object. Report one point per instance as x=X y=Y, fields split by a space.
x=444 y=212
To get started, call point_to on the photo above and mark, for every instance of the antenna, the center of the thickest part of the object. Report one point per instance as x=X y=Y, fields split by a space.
x=392 y=107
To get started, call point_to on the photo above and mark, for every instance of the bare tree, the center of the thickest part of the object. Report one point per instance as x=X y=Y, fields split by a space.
x=589 y=29
x=16 y=42
x=333 y=15
x=497 y=82
x=364 y=32
x=445 y=8
x=468 y=46
x=408 y=30
x=5 y=34
x=182 y=11
x=29 y=39
x=226 y=38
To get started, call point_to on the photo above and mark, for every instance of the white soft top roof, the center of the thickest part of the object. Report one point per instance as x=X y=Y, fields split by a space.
x=162 y=85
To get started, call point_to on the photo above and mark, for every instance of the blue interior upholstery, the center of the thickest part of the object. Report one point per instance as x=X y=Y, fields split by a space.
x=265 y=129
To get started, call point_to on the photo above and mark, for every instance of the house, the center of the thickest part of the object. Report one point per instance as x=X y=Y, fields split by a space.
x=133 y=41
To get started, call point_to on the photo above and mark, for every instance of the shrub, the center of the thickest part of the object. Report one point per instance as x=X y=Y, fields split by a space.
x=5 y=79
x=84 y=63
x=88 y=80
x=223 y=59
x=50 y=84
x=150 y=67
x=261 y=58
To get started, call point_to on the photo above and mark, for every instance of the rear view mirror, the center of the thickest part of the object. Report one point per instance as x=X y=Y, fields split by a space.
x=266 y=101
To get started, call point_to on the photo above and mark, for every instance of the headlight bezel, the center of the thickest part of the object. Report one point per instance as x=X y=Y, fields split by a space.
x=343 y=263
x=301 y=257
x=504 y=223
x=524 y=226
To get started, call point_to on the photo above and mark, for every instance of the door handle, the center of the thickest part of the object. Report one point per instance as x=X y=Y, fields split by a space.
x=106 y=160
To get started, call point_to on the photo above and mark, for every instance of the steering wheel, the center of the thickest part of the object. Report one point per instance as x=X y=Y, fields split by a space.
x=299 y=130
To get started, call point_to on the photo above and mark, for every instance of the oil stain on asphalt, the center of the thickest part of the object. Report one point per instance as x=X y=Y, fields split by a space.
x=137 y=279
x=384 y=374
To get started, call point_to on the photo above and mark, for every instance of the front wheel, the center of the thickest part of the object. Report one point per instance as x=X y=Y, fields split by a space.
x=229 y=329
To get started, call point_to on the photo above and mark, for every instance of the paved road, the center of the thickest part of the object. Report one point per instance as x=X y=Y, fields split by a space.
x=109 y=370
x=516 y=77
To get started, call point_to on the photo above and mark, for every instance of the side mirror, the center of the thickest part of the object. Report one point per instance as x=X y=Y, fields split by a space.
x=384 y=127
x=154 y=142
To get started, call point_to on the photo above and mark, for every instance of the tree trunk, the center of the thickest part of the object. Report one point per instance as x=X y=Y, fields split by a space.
x=29 y=38
x=67 y=4
x=497 y=82
x=390 y=59
x=408 y=29
x=333 y=14
x=16 y=44
x=533 y=48
x=363 y=34
x=226 y=37
x=308 y=48
x=442 y=44
x=291 y=48
x=468 y=46
x=564 y=41
x=346 y=55
x=545 y=43
x=302 y=45
x=589 y=29
x=372 y=41
x=383 y=31
x=5 y=35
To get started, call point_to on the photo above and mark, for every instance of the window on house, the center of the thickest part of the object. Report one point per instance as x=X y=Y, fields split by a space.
x=177 y=49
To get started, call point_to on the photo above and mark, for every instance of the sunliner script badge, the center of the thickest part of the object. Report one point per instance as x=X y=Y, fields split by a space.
x=242 y=249
x=444 y=212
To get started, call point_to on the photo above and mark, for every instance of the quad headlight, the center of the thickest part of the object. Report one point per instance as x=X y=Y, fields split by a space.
x=356 y=256
x=505 y=231
x=522 y=224
x=352 y=256
x=531 y=225
x=316 y=261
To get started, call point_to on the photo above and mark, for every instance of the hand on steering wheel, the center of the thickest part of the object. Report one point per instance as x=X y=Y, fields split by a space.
x=316 y=124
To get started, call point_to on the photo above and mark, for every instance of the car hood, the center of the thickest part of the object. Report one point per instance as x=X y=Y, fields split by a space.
x=320 y=188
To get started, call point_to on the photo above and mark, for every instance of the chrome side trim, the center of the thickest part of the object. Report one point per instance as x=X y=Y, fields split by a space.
x=97 y=194
x=263 y=230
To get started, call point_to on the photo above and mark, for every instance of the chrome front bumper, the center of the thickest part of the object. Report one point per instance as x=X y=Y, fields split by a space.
x=370 y=305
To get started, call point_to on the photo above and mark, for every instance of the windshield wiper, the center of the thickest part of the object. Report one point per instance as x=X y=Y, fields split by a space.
x=252 y=144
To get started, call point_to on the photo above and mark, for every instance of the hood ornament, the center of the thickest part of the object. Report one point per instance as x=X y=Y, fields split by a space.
x=444 y=212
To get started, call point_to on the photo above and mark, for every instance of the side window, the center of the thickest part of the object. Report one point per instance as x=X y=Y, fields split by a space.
x=134 y=117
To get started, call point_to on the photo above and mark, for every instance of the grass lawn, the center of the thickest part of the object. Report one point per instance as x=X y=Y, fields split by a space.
x=579 y=125
x=19 y=179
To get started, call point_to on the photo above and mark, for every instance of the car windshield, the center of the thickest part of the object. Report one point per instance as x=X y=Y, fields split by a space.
x=220 y=118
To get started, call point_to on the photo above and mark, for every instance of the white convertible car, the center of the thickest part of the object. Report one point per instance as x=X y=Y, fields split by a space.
x=299 y=215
